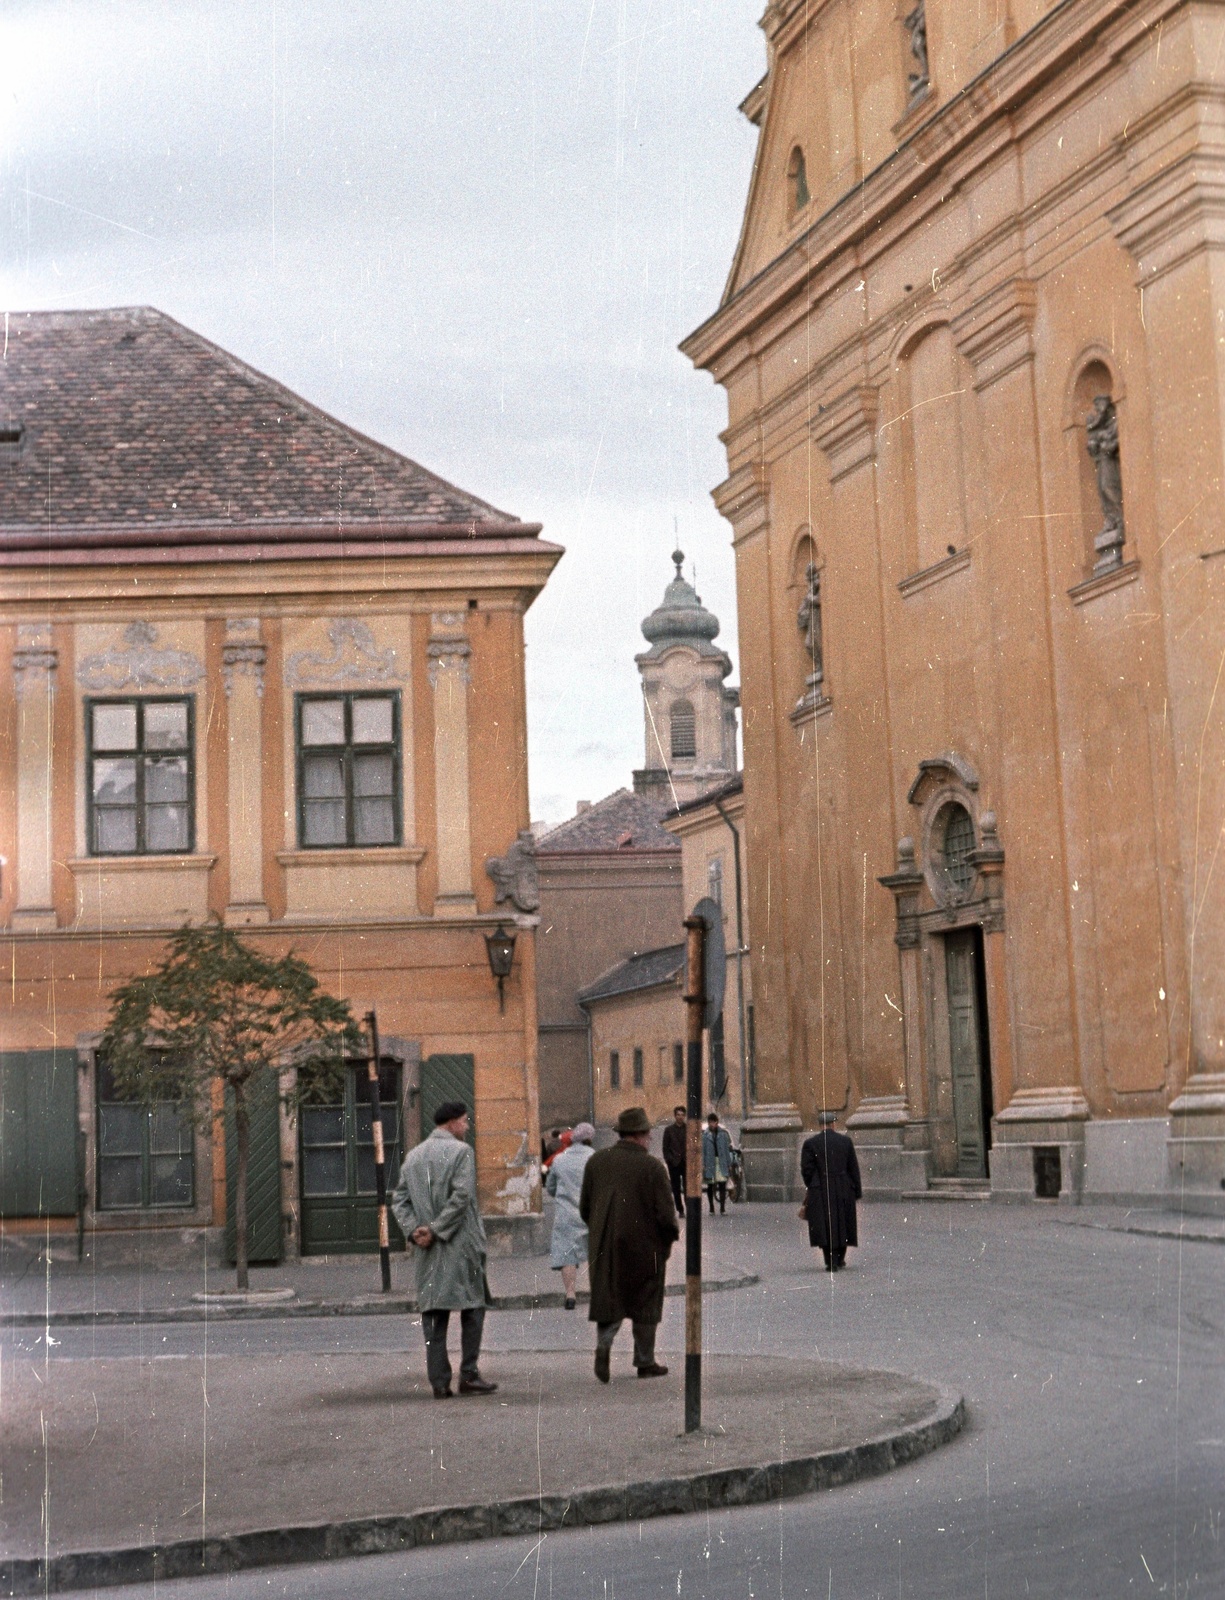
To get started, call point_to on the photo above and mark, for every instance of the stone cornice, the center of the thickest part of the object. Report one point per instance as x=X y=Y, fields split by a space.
x=1063 y=42
x=995 y=334
x=744 y=499
x=280 y=584
x=1174 y=215
x=845 y=429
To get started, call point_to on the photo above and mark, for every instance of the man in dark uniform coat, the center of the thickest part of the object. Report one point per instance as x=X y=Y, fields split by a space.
x=830 y=1171
x=676 y=1154
x=626 y=1202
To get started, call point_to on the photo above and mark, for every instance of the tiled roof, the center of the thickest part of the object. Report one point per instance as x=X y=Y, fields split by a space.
x=130 y=421
x=646 y=970
x=623 y=820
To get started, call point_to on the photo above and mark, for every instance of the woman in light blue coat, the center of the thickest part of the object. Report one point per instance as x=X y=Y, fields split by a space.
x=565 y=1184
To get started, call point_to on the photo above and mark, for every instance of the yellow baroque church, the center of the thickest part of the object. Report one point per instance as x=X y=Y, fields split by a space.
x=973 y=347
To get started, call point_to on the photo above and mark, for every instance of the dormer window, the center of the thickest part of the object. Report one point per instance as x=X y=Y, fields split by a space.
x=10 y=440
x=797 y=181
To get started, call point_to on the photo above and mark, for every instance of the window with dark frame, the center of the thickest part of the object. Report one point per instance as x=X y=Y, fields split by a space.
x=146 y=1152
x=678 y=1063
x=348 y=770
x=638 y=1066
x=140 y=783
x=614 y=1069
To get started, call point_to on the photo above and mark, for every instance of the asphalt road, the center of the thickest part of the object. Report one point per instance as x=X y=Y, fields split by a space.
x=1093 y=1365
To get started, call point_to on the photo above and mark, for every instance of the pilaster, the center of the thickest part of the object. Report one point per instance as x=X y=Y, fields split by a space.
x=34 y=672
x=449 y=653
x=242 y=665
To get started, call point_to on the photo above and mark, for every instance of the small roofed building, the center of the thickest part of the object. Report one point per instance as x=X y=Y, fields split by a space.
x=610 y=886
x=258 y=667
x=637 y=1020
x=711 y=833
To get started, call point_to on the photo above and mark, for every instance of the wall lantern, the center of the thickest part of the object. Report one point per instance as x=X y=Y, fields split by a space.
x=500 y=948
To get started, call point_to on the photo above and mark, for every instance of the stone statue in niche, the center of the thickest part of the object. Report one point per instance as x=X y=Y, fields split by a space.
x=514 y=875
x=916 y=25
x=809 y=619
x=1102 y=442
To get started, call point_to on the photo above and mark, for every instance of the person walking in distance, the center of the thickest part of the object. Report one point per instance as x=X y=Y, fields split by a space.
x=676 y=1136
x=830 y=1170
x=565 y=1184
x=716 y=1161
x=627 y=1205
x=435 y=1204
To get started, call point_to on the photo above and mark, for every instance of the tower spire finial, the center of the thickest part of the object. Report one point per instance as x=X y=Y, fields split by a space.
x=678 y=557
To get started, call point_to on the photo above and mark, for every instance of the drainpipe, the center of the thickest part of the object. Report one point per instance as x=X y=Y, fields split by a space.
x=740 y=954
x=590 y=1066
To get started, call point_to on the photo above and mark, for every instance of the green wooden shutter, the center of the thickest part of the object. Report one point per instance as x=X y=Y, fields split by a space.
x=448 y=1078
x=264 y=1236
x=38 y=1133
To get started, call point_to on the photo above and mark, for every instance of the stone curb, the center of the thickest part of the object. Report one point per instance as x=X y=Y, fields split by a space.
x=632 y=1502
x=367 y=1306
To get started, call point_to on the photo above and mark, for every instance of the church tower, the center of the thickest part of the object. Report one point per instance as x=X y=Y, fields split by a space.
x=689 y=714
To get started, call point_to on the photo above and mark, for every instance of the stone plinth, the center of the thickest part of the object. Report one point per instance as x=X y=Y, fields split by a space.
x=1037 y=1124
x=770 y=1140
x=1196 y=1149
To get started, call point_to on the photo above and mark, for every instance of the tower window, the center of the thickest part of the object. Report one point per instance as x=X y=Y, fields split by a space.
x=684 y=736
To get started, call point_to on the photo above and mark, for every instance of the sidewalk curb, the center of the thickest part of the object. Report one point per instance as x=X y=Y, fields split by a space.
x=374 y=1305
x=435 y=1525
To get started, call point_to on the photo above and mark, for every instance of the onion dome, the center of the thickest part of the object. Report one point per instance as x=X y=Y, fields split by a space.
x=681 y=618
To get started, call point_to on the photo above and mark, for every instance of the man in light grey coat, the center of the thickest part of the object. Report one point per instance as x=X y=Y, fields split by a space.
x=435 y=1204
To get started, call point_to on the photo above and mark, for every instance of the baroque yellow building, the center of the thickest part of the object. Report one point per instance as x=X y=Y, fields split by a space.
x=257 y=667
x=973 y=345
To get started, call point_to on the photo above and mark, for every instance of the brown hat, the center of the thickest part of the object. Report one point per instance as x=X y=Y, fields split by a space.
x=633 y=1120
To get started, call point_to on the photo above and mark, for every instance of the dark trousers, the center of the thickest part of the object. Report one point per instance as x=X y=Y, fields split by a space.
x=710 y=1195
x=834 y=1259
x=644 y=1339
x=677 y=1175
x=437 y=1363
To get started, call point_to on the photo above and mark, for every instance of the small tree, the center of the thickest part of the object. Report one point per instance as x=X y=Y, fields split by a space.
x=218 y=1012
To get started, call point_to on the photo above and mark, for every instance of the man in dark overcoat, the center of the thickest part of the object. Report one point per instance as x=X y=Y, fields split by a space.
x=626 y=1202
x=830 y=1170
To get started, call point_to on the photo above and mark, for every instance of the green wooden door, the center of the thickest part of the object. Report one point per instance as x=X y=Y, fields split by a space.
x=448 y=1078
x=265 y=1243
x=961 y=968
x=339 y=1205
x=38 y=1133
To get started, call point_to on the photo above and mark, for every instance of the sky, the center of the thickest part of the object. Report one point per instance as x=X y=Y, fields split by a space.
x=475 y=231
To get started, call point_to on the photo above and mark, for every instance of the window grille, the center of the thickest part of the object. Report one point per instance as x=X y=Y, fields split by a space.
x=958 y=848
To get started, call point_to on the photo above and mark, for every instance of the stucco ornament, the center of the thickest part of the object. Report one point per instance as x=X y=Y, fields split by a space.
x=915 y=24
x=139 y=664
x=1102 y=442
x=514 y=875
x=355 y=659
x=808 y=618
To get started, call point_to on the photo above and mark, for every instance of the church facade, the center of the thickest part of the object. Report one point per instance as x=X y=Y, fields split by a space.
x=260 y=668
x=976 y=457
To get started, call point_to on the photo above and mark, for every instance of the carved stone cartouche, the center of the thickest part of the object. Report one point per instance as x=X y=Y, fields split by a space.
x=514 y=875
x=915 y=24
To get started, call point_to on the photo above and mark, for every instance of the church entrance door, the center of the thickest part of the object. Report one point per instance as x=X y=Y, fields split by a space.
x=971 y=1066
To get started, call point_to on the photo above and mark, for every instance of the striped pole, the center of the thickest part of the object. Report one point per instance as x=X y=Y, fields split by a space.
x=380 y=1154
x=695 y=1002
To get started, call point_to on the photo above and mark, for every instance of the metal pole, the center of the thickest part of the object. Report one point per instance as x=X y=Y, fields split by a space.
x=380 y=1154
x=740 y=955
x=695 y=1001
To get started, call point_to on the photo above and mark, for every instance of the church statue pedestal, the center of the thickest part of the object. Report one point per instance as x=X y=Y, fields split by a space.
x=892 y=1147
x=1196 y=1147
x=770 y=1139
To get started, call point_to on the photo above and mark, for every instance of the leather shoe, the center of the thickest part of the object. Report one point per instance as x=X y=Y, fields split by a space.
x=653 y=1371
x=443 y=1394
x=570 y=1304
x=476 y=1386
x=601 y=1363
